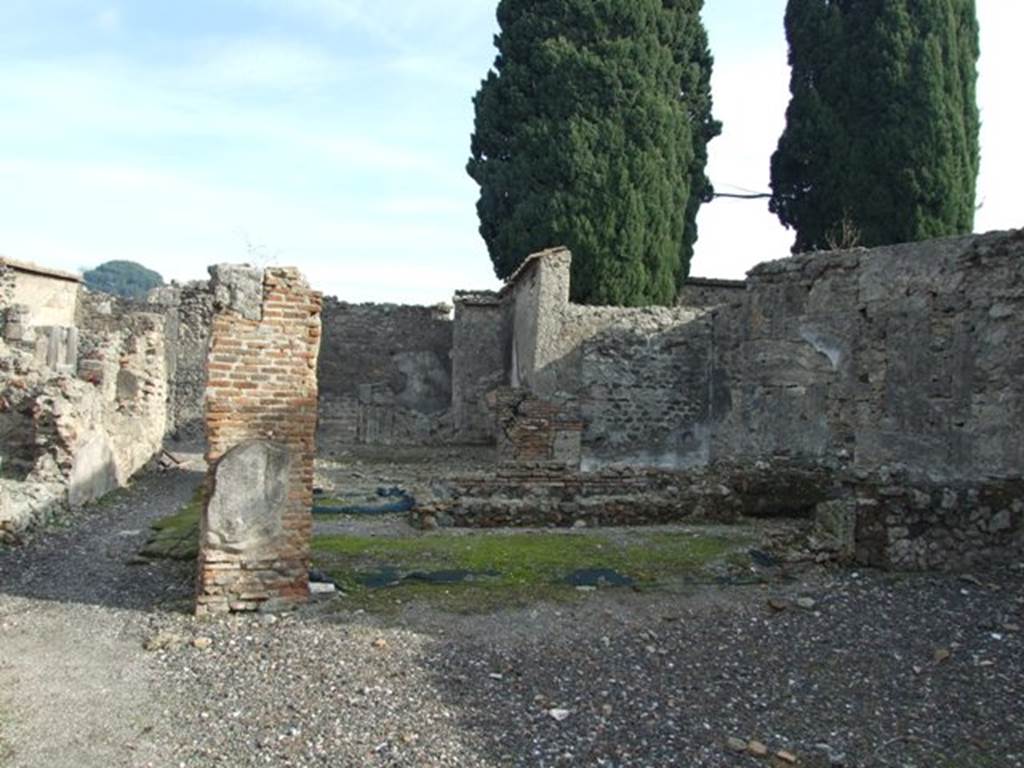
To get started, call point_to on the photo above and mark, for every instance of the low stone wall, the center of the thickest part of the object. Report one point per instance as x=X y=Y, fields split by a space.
x=25 y=506
x=938 y=527
x=547 y=495
x=261 y=420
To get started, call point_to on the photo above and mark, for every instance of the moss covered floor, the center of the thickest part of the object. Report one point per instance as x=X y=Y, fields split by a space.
x=382 y=563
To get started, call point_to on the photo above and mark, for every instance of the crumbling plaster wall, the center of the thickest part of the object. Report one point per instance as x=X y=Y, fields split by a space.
x=904 y=356
x=385 y=374
x=481 y=349
x=72 y=432
x=49 y=296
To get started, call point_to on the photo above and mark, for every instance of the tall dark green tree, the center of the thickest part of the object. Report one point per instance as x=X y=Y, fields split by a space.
x=881 y=138
x=591 y=132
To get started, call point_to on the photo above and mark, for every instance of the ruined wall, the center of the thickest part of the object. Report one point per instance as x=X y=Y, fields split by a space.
x=124 y=356
x=481 y=350
x=261 y=411
x=707 y=292
x=50 y=296
x=6 y=293
x=71 y=432
x=385 y=374
x=639 y=374
x=896 y=357
x=188 y=310
x=936 y=526
x=644 y=391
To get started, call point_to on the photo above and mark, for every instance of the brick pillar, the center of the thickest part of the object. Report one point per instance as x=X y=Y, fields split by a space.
x=261 y=403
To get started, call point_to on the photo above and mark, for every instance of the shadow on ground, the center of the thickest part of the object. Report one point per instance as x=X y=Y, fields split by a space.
x=90 y=557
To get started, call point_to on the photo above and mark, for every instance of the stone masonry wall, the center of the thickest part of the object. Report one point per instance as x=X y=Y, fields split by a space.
x=639 y=373
x=189 y=310
x=6 y=293
x=942 y=526
x=481 y=349
x=261 y=411
x=900 y=357
x=705 y=292
x=124 y=359
x=644 y=391
x=858 y=366
x=71 y=431
x=385 y=374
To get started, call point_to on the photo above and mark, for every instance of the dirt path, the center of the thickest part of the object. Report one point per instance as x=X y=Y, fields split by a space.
x=75 y=687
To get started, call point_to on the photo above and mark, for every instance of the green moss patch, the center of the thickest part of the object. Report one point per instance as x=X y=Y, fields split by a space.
x=508 y=569
x=176 y=537
x=481 y=571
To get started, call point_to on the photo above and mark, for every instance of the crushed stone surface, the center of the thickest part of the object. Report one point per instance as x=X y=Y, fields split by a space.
x=101 y=665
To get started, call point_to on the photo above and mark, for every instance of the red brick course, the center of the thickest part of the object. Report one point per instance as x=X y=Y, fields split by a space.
x=262 y=385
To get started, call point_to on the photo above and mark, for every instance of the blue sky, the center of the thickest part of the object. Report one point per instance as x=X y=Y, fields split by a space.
x=333 y=135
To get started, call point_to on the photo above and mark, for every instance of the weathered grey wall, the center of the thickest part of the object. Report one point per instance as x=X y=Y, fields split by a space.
x=904 y=356
x=898 y=356
x=644 y=391
x=639 y=374
x=707 y=292
x=385 y=374
x=189 y=311
x=481 y=350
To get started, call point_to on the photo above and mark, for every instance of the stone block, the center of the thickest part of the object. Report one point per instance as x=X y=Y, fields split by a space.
x=237 y=288
x=250 y=489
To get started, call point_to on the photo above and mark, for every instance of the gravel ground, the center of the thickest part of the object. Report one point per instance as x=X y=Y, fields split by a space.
x=873 y=670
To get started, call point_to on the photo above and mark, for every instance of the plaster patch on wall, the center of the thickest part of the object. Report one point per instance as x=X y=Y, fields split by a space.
x=823 y=345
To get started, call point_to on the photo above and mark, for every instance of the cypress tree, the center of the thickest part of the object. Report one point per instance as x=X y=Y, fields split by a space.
x=881 y=138
x=591 y=132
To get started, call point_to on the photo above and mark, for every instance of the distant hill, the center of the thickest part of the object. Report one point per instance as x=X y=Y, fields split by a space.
x=122 y=278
